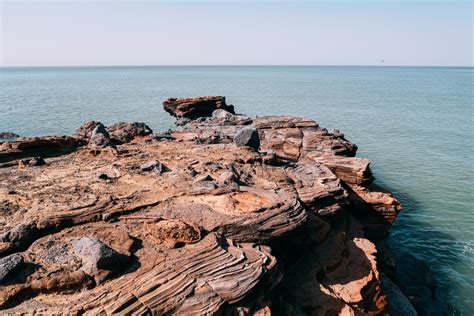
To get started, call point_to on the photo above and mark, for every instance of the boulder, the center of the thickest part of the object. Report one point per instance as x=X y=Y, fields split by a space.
x=99 y=137
x=98 y=256
x=86 y=129
x=222 y=114
x=247 y=136
x=124 y=132
x=153 y=165
x=8 y=266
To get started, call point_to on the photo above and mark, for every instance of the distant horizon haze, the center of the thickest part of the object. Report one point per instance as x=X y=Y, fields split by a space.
x=240 y=33
x=235 y=65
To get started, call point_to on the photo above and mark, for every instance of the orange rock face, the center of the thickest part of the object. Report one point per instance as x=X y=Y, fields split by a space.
x=189 y=223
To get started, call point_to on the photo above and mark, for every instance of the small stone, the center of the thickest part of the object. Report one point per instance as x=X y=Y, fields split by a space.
x=336 y=133
x=8 y=265
x=223 y=114
x=227 y=176
x=153 y=165
x=106 y=217
x=204 y=178
x=248 y=136
x=22 y=163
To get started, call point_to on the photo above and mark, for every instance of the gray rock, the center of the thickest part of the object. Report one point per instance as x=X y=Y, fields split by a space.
x=336 y=133
x=97 y=256
x=99 y=136
x=86 y=129
x=248 y=136
x=8 y=265
x=192 y=172
x=21 y=234
x=223 y=114
x=153 y=165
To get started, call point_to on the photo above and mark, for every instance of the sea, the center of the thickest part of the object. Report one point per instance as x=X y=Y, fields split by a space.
x=414 y=123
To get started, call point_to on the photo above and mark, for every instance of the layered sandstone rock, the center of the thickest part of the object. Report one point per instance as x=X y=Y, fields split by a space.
x=191 y=222
x=196 y=106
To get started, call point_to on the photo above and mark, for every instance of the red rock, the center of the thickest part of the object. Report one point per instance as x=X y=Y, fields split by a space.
x=195 y=107
x=225 y=229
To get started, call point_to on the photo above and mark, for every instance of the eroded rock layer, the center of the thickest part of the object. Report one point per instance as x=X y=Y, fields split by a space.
x=205 y=219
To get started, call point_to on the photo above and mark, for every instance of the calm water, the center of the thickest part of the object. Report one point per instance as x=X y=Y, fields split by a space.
x=415 y=124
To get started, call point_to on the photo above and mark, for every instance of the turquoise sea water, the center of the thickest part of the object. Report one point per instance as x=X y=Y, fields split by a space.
x=415 y=124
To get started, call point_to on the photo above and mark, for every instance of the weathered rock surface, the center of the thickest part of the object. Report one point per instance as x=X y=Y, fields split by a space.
x=196 y=106
x=124 y=132
x=247 y=136
x=282 y=227
x=99 y=135
x=47 y=146
x=8 y=265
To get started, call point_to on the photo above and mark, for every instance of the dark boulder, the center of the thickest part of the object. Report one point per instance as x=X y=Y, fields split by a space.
x=125 y=132
x=248 y=136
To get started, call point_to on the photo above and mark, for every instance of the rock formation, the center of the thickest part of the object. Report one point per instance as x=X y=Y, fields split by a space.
x=8 y=136
x=195 y=107
x=227 y=214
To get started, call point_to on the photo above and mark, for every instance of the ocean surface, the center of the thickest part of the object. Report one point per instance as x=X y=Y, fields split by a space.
x=415 y=124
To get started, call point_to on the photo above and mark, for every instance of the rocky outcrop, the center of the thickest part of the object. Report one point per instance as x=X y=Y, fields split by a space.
x=195 y=107
x=33 y=150
x=8 y=136
x=47 y=146
x=97 y=134
x=205 y=219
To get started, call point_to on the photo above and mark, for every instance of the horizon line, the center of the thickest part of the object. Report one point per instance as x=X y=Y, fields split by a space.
x=232 y=65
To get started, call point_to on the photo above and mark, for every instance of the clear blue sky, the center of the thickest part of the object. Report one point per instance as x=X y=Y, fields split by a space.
x=41 y=33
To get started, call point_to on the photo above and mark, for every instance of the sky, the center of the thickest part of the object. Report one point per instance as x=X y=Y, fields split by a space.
x=258 y=32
